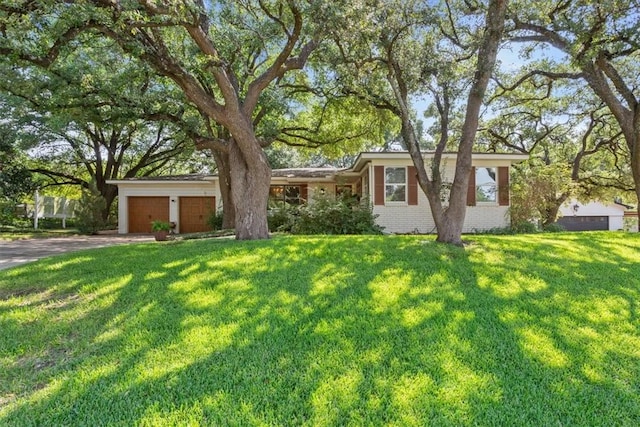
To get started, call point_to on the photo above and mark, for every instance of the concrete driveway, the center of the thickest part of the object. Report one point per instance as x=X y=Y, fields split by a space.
x=18 y=252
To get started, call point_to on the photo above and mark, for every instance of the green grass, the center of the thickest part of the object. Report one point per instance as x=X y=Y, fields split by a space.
x=534 y=330
x=36 y=234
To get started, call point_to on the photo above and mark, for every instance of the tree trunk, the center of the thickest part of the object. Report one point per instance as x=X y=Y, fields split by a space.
x=635 y=164
x=550 y=215
x=109 y=192
x=224 y=180
x=250 y=180
x=452 y=221
x=450 y=230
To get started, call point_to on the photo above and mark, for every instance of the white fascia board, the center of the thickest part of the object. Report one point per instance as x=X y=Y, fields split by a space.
x=159 y=181
x=364 y=158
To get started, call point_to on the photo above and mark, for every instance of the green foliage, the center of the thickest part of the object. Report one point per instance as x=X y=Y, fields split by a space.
x=214 y=221
x=89 y=211
x=158 y=225
x=17 y=181
x=554 y=227
x=328 y=214
x=282 y=218
x=535 y=191
x=524 y=227
x=326 y=331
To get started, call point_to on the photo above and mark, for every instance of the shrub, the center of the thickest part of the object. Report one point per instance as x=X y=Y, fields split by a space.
x=341 y=215
x=215 y=220
x=282 y=218
x=498 y=231
x=554 y=227
x=10 y=220
x=524 y=227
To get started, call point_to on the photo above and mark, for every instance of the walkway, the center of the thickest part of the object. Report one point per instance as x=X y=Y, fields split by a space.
x=17 y=252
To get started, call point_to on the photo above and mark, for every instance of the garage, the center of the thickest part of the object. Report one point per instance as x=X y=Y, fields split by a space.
x=584 y=223
x=194 y=213
x=143 y=210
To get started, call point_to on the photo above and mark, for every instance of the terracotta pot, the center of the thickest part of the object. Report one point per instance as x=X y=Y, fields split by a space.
x=161 y=235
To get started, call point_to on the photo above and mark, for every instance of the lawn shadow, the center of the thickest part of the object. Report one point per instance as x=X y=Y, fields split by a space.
x=397 y=330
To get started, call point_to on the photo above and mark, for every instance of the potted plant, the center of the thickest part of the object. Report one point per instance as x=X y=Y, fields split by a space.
x=160 y=229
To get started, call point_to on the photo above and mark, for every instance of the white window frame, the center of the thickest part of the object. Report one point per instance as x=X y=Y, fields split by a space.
x=404 y=184
x=493 y=202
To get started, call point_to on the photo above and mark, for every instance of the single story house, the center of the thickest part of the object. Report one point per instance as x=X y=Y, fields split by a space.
x=593 y=215
x=387 y=179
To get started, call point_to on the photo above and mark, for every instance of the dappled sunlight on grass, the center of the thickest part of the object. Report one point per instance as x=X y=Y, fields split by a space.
x=373 y=330
x=152 y=275
x=196 y=342
x=335 y=397
x=415 y=316
x=538 y=345
x=389 y=288
x=329 y=279
x=413 y=398
x=65 y=264
x=514 y=285
x=603 y=309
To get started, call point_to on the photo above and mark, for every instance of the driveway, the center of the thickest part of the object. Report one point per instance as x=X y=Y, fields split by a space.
x=18 y=252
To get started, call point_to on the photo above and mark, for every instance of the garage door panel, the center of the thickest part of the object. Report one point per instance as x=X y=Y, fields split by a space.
x=144 y=210
x=584 y=223
x=195 y=212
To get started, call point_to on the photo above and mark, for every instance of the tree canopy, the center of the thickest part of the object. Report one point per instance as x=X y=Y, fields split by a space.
x=596 y=43
x=132 y=86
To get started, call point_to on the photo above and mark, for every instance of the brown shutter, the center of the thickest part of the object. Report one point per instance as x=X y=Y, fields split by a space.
x=412 y=184
x=378 y=185
x=471 y=190
x=503 y=186
x=304 y=192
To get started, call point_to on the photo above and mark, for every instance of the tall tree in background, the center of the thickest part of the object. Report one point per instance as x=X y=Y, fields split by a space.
x=85 y=107
x=596 y=42
x=16 y=180
x=574 y=144
x=405 y=50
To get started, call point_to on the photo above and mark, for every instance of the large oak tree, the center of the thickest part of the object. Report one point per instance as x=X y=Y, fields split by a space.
x=595 y=42
x=222 y=55
x=575 y=146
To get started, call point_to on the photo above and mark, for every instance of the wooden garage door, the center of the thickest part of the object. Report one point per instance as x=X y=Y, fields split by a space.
x=143 y=210
x=584 y=223
x=194 y=213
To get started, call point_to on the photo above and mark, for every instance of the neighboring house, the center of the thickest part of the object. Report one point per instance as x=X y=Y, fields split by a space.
x=577 y=216
x=387 y=179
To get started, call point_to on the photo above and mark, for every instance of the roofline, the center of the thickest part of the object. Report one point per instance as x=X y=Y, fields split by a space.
x=359 y=163
x=302 y=179
x=160 y=181
x=615 y=202
x=365 y=157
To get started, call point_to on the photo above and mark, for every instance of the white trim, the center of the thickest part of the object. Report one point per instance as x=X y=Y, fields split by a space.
x=404 y=202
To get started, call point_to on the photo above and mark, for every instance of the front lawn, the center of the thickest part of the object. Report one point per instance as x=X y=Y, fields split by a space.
x=384 y=330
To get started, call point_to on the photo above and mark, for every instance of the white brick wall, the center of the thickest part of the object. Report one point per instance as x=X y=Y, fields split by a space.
x=410 y=219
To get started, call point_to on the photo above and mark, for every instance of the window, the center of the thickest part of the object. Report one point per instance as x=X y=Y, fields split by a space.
x=395 y=184
x=279 y=195
x=486 y=186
